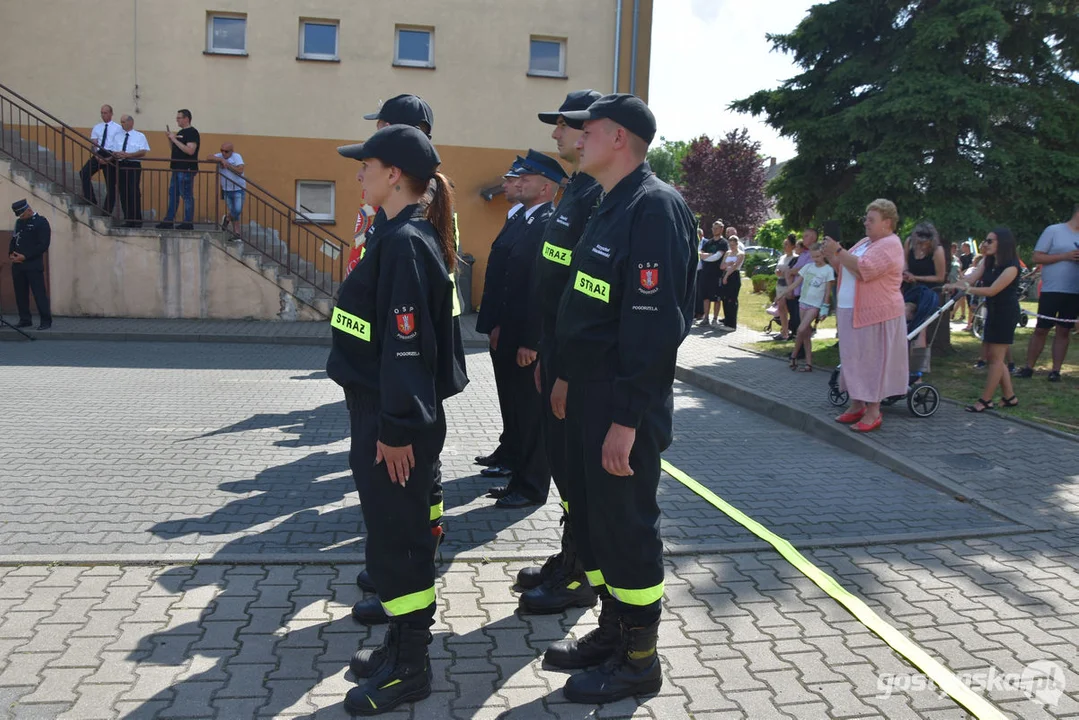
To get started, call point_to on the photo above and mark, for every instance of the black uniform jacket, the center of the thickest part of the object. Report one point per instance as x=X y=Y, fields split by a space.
x=519 y=313
x=556 y=253
x=31 y=238
x=629 y=302
x=394 y=331
x=493 y=286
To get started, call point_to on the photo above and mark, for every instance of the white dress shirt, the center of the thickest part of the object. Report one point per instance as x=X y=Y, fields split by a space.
x=99 y=131
x=136 y=141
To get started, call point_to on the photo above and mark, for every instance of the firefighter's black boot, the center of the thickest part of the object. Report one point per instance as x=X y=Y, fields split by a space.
x=403 y=677
x=594 y=648
x=369 y=611
x=565 y=589
x=634 y=670
x=363 y=581
x=532 y=577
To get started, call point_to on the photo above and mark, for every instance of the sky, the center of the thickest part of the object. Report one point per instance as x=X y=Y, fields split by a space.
x=708 y=53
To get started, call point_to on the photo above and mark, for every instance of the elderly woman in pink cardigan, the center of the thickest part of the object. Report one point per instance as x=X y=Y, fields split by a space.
x=870 y=316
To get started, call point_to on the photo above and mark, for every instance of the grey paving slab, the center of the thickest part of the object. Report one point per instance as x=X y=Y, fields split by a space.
x=152 y=450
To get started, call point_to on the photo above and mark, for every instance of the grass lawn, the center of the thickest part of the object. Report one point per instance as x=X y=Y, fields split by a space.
x=1055 y=405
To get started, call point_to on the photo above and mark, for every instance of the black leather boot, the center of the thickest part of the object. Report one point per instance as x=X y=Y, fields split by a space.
x=564 y=591
x=532 y=577
x=363 y=581
x=594 y=648
x=367 y=662
x=369 y=611
x=634 y=670
x=403 y=677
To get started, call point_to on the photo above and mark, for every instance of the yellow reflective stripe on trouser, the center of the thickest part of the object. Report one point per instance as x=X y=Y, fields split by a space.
x=436 y=512
x=349 y=323
x=640 y=598
x=456 y=300
x=592 y=287
x=410 y=603
x=595 y=578
x=562 y=256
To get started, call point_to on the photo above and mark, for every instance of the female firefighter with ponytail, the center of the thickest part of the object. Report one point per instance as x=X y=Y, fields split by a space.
x=393 y=353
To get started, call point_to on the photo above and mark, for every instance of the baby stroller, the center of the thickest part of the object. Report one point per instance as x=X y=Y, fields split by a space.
x=922 y=398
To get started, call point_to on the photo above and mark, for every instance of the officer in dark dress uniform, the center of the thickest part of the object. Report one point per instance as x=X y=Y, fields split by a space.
x=394 y=354
x=628 y=307
x=29 y=243
x=405 y=110
x=560 y=583
x=513 y=310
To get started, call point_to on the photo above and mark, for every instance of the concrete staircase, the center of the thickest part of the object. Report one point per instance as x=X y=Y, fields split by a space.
x=42 y=168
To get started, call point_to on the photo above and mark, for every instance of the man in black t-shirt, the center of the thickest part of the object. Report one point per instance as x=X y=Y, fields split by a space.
x=184 y=165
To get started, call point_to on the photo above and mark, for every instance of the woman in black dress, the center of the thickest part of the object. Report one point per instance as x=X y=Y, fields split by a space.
x=999 y=275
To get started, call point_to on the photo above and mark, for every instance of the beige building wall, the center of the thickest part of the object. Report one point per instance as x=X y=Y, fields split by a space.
x=286 y=116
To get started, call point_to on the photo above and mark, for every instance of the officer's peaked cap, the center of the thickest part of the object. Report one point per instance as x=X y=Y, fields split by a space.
x=19 y=206
x=629 y=111
x=536 y=163
x=405 y=110
x=576 y=100
x=402 y=146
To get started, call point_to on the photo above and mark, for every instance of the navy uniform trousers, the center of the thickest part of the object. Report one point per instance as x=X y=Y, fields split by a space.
x=400 y=548
x=610 y=514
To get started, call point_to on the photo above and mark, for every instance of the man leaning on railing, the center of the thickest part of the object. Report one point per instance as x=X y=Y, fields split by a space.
x=101 y=136
x=233 y=186
x=128 y=148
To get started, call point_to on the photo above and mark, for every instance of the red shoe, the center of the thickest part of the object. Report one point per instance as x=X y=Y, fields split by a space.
x=851 y=416
x=863 y=428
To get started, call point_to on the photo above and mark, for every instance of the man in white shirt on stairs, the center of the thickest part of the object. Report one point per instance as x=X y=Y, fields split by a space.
x=128 y=148
x=233 y=185
x=100 y=137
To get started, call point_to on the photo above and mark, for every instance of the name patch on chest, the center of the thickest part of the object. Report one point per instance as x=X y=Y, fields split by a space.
x=349 y=323
x=555 y=254
x=592 y=287
x=602 y=250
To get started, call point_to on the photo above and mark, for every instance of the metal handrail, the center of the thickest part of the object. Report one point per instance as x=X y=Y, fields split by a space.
x=289 y=237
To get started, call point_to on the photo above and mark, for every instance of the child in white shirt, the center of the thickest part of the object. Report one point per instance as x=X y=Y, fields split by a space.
x=816 y=282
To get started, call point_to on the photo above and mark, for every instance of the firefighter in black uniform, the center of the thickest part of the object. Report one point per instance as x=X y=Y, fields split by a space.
x=627 y=308
x=394 y=354
x=513 y=312
x=403 y=110
x=560 y=583
x=29 y=243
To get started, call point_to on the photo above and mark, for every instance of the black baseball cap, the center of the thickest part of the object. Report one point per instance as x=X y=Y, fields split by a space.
x=405 y=110
x=402 y=146
x=629 y=111
x=536 y=163
x=576 y=100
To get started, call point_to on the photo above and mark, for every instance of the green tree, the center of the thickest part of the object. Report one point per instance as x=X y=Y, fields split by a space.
x=666 y=160
x=772 y=233
x=964 y=112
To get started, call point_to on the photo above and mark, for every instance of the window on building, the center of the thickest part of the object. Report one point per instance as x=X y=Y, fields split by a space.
x=547 y=57
x=315 y=199
x=318 y=39
x=414 y=47
x=226 y=34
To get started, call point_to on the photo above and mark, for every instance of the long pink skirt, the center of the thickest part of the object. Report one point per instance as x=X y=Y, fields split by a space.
x=874 y=358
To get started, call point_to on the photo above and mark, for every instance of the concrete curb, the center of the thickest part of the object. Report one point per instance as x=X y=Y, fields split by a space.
x=670 y=550
x=62 y=335
x=842 y=438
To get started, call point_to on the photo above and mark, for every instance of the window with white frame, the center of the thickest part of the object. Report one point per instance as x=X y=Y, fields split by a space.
x=318 y=39
x=315 y=199
x=547 y=57
x=226 y=34
x=414 y=47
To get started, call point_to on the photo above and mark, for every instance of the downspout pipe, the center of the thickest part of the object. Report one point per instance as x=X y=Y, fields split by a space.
x=633 y=49
x=617 y=40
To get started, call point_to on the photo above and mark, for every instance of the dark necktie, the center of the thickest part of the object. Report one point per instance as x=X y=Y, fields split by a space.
x=126 y=136
x=105 y=136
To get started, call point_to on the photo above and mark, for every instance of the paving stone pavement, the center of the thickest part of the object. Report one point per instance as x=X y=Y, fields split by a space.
x=228 y=451
x=234 y=452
